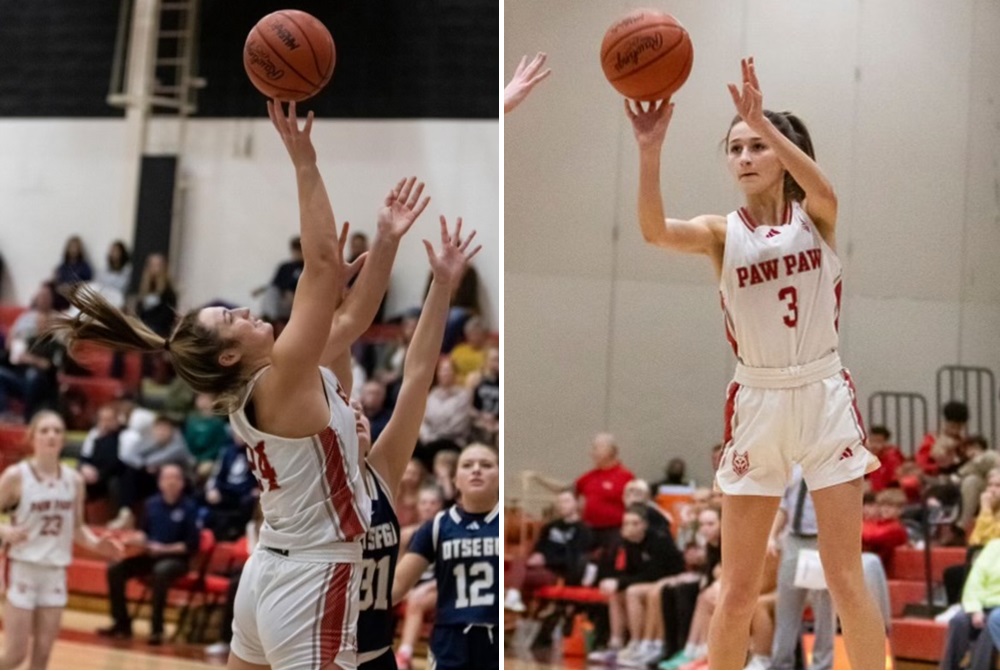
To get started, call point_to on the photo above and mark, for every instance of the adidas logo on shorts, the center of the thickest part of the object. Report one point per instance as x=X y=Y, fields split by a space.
x=846 y=453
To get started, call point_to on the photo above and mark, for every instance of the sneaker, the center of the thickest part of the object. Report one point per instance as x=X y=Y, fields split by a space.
x=758 y=663
x=946 y=615
x=604 y=656
x=696 y=665
x=652 y=653
x=403 y=661
x=513 y=601
x=675 y=662
x=115 y=631
x=217 y=649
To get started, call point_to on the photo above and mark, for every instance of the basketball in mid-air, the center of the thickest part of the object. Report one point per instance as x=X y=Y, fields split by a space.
x=647 y=55
x=289 y=55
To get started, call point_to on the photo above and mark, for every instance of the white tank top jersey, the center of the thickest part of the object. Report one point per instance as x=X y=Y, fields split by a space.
x=780 y=290
x=313 y=492
x=46 y=510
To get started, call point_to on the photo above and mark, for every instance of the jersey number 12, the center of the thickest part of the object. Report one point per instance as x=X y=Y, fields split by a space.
x=475 y=588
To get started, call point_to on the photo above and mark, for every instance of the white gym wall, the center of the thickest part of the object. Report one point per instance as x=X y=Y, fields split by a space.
x=604 y=332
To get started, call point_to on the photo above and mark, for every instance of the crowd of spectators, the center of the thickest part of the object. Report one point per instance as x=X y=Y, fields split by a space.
x=606 y=527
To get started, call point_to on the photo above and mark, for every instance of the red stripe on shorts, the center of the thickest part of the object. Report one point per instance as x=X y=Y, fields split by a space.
x=854 y=408
x=340 y=491
x=331 y=634
x=727 y=437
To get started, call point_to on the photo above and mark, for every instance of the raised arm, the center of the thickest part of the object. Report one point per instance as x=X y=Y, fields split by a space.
x=526 y=76
x=400 y=209
x=702 y=235
x=297 y=350
x=821 y=200
x=394 y=447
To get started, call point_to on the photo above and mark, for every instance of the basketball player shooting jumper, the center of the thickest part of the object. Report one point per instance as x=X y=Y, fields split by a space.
x=791 y=400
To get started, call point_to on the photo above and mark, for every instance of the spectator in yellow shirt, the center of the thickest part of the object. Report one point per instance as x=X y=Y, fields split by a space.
x=971 y=628
x=469 y=356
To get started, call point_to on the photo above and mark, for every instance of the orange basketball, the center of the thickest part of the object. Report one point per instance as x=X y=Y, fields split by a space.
x=289 y=55
x=647 y=55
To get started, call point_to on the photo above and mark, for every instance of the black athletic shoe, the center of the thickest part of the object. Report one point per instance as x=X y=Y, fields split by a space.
x=115 y=631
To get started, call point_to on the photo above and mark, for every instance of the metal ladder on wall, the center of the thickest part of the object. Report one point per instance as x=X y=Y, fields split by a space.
x=175 y=83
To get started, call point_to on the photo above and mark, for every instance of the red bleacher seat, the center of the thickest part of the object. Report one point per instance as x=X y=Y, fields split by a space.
x=574 y=594
x=915 y=639
x=908 y=563
x=904 y=592
x=9 y=314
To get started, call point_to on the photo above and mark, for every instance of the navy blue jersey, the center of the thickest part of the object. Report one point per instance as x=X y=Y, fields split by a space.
x=465 y=550
x=378 y=566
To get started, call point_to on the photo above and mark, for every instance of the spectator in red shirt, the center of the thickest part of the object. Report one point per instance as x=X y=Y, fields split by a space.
x=602 y=489
x=939 y=453
x=883 y=534
x=888 y=454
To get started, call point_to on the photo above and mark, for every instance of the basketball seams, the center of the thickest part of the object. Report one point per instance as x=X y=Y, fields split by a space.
x=647 y=26
x=258 y=81
x=305 y=36
x=277 y=54
x=684 y=72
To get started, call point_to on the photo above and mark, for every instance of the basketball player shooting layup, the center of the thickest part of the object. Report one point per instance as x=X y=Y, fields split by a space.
x=791 y=400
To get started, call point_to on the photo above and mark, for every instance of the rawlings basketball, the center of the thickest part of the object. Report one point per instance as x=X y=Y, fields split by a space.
x=289 y=55
x=647 y=55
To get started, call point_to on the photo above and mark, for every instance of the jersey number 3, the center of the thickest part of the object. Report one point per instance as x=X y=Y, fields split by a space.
x=792 y=296
x=477 y=588
x=262 y=468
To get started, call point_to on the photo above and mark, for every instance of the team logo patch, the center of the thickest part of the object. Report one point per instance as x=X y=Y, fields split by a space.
x=741 y=463
x=474 y=526
x=848 y=452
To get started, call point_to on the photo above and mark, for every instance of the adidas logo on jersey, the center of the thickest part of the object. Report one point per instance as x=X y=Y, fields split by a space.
x=474 y=526
x=773 y=232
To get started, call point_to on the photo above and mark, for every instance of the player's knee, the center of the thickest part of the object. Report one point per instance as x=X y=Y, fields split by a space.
x=846 y=583
x=739 y=597
x=635 y=591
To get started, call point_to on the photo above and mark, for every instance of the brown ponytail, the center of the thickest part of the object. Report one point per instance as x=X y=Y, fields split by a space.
x=194 y=349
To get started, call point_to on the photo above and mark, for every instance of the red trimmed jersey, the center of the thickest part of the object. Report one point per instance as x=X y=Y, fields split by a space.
x=780 y=289
x=312 y=489
x=47 y=510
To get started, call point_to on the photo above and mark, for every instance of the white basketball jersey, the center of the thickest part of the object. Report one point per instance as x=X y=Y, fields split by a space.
x=46 y=510
x=312 y=489
x=780 y=290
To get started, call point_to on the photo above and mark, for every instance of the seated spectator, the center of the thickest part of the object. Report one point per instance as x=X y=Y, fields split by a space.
x=73 y=269
x=486 y=401
x=117 y=275
x=99 y=463
x=443 y=474
x=687 y=525
x=231 y=492
x=276 y=306
x=938 y=453
x=979 y=460
x=637 y=493
x=143 y=455
x=643 y=559
x=163 y=390
x=422 y=599
x=986 y=529
x=674 y=475
x=170 y=537
x=390 y=364
x=415 y=476
x=560 y=552
x=34 y=359
x=973 y=629
x=884 y=534
x=373 y=397
x=205 y=434
x=602 y=489
x=469 y=356
x=890 y=458
x=446 y=418
x=157 y=298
